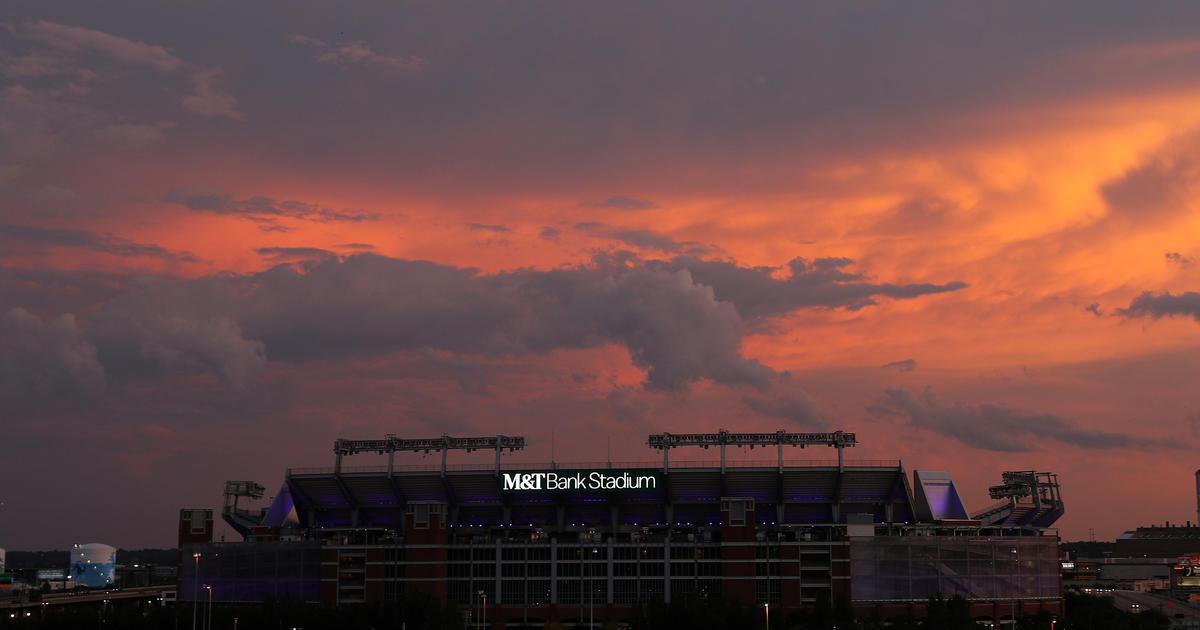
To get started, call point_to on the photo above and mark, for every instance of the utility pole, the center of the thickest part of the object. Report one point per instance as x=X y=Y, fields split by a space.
x=195 y=590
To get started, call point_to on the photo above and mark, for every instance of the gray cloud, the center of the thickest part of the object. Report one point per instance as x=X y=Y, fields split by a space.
x=1178 y=258
x=675 y=327
x=209 y=98
x=625 y=405
x=357 y=52
x=364 y=247
x=1160 y=186
x=793 y=405
x=281 y=254
x=29 y=237
x=471 y=375
x=644 y=239
x=484 y=227
x=78 y=39
x=999 y=428
x=818 y=283
x=549 y=234
x=264 y=208
x=907 y=365
x=621 y=202
x=39 y=359
x=1164 y=305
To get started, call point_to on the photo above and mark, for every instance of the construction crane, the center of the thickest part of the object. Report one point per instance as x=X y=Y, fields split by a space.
x=722 y=438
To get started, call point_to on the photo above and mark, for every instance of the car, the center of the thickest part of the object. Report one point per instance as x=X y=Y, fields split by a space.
x=1135 y=605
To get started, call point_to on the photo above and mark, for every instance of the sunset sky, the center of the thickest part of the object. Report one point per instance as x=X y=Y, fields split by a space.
x=233 y=232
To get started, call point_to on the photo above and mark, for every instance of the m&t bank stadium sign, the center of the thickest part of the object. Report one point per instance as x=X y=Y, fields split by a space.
x=604 y=480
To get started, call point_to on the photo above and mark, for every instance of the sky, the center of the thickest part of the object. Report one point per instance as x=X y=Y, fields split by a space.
x=233 y=232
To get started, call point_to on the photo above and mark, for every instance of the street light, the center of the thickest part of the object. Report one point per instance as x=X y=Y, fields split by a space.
x=767 y=609
x=483 y=609
x=208 y=612
x=195 y=590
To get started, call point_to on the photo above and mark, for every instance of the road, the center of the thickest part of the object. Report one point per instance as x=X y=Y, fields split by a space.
x=1158 y=601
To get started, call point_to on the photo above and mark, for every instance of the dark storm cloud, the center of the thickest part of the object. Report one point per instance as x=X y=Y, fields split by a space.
x=621 y=202
x=907 y=365
x=264 y=208
x=282 y=254
x=999 y=428
x=52 y=292
x=677 y=328
x=1164 y=304
x=818 y=283
x=29 y=237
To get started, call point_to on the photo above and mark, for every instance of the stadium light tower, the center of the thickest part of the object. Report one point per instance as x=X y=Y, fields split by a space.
x=723 y=438
x=391 y=444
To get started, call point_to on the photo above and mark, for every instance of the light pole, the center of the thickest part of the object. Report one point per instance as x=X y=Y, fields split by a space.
x=591 y=587
x=208 y=611
x=1013 y=603
x=767 y=609
x=195 y=590
x=482 y=609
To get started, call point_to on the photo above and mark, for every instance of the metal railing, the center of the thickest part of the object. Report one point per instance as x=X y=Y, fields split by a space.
x=770 y=464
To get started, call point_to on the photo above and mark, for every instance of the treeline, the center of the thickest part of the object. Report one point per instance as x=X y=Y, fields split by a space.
x=59 y=559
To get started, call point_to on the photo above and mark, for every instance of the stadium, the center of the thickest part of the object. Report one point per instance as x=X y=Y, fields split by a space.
x=529 y=544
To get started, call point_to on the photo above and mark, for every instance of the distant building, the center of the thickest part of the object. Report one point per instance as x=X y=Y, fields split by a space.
x=1159 y=542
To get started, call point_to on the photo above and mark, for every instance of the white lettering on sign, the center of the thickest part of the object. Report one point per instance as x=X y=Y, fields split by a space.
x=595 y=480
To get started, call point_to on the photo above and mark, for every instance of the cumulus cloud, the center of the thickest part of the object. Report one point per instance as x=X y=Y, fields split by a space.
x=139 y=331
x=1164 y=304
x=210 y=99
x=357 y=52
x=78 y=39
x=675 y=327
x=621 y=202
x=33 y=238
x=264 y=209
x=39 y=358
x=998 y=428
